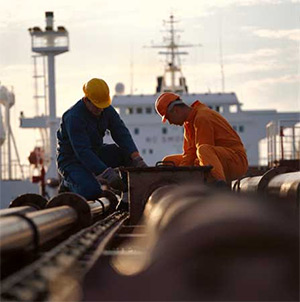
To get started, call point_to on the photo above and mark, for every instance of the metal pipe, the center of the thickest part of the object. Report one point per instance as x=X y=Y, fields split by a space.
x=250 y=184
x=22 y=231
x=19 y=210
x=184 y=221
x=8 y=129
x=52 y=173
x=286 y=186
x=99 y=207
x=27 y=229
x=258 y=184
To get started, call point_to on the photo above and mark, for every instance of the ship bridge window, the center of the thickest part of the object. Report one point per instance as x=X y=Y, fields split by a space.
x=150 y=151
x=129 y=110
x=233 y=108
x=139 y=110
x=241 y=128
x=136 y=131
x=148 y=110
x=164 y=130
x=219 y=109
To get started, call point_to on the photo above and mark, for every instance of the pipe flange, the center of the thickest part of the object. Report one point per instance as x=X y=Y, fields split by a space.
x=75 y=201
x=30 y=199
x=265 y=179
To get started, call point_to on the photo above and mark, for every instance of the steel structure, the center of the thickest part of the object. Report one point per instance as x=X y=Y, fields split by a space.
x=177 y=228
x=49 y=43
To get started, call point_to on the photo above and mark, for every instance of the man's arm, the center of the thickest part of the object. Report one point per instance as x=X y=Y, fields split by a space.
x=76 y=129
x=119 y=132
x=204 y=133
x=189 y=150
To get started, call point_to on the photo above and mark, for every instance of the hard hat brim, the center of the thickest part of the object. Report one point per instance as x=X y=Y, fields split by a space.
x=95 y=102
x=103 y=104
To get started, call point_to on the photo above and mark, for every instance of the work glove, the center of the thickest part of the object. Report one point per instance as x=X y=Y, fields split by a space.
x=138 y=162
x=111 y=178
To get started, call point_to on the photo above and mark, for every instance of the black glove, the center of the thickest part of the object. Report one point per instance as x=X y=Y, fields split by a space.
x=138 y=162
x=111 y=178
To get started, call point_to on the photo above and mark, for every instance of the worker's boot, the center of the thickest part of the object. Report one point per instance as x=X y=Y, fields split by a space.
x=220 y=185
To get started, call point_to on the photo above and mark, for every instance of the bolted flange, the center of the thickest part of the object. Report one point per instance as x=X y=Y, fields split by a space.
x=30 y=199
x=75 y=201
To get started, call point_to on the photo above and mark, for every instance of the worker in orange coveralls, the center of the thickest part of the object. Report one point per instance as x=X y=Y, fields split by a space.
x=208 y=138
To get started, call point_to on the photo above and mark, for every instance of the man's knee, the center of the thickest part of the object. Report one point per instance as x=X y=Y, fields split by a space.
x=204 y=148
x=175 y=158
x=90 y=191
x=84 y=184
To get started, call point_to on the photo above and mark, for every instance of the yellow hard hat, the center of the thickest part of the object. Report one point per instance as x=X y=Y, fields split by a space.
x=97 y=91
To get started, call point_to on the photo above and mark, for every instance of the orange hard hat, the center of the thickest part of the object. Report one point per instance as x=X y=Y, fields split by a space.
x=162 y=103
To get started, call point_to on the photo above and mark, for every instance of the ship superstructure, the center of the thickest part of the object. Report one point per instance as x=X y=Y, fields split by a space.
x=156 y=140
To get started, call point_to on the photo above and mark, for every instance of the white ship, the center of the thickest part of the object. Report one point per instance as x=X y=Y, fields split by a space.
x=154 y=139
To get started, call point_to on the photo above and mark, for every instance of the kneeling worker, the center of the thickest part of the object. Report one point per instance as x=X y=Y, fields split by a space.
x=83 y=160
x=208 y=138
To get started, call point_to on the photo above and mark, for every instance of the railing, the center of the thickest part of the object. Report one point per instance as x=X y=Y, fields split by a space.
x=283 y=140
x=16 y=173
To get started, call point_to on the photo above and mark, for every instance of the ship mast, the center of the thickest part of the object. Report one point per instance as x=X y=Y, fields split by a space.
x=172 y=69
x=48 y=43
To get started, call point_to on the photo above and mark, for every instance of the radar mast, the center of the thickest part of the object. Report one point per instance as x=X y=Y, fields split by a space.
x=172 y=79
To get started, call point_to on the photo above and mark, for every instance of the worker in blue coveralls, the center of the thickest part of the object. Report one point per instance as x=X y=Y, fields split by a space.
x=84 y=161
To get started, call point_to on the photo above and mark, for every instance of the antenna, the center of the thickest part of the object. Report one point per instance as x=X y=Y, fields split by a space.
x=131 y=70
x=172 y=64
x=221 y=58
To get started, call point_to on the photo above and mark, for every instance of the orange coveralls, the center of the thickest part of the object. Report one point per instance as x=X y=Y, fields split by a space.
x=210 y=140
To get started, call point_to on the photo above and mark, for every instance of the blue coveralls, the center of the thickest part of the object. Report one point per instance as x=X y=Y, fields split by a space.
x=81 y=154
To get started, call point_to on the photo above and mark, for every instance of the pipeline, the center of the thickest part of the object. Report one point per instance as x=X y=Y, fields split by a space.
x=25 y=203
x=55 y=276
x=278 y=183
x=190 y=234
x=64 y=212
x=198 y=241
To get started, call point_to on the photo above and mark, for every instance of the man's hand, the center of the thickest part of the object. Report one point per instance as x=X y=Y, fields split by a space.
x=112 y=178
x=138 y=162
x=101 y=180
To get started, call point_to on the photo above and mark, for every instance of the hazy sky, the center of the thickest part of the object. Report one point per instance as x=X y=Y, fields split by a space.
x=260 y=42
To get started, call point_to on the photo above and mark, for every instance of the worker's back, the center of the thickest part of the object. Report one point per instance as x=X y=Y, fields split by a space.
x=215 y=127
